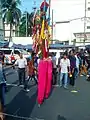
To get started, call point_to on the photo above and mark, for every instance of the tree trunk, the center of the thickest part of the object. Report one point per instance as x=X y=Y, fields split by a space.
x=10 y=32
x=18 y=30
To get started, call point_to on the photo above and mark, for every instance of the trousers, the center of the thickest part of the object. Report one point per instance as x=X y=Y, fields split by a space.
x=21 y=74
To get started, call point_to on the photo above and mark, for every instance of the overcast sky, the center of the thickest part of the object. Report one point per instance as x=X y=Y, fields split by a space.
x=68 y=9
x=65 y=10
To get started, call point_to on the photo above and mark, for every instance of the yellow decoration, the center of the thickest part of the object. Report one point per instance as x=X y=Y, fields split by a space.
x=42 y=30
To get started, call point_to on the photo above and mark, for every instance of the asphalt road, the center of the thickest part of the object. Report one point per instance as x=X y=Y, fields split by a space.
x=61 y=105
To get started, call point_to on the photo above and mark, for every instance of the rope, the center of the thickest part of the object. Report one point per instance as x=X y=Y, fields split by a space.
x=20 y=117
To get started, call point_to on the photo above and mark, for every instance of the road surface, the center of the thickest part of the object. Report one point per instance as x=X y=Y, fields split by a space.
x=61 y=105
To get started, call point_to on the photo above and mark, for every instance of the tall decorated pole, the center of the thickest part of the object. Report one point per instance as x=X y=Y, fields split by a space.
x=41 y=38
x=41 y=31
x=44 y=33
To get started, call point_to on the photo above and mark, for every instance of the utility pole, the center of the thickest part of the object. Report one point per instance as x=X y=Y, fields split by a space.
x=34 y=10
x=85 y=17
x=52 y=25
x=52 y=17
x=49 y=8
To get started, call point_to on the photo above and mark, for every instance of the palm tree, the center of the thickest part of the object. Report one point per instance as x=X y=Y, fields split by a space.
x=26 y=24
x=11 y=13
x=30 y=23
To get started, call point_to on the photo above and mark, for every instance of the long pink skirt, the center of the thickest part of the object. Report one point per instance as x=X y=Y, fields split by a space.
x=49 y=79
x=42 y=77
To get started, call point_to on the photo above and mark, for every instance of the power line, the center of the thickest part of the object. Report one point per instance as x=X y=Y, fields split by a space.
x=70 y=20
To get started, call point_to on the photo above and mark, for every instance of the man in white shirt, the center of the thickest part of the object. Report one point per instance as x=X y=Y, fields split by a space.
x=64 y=69
x=22 y=66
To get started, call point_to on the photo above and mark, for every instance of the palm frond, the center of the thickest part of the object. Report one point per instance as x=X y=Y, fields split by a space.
x=9 y=18
x=11 y=12
x=9 y=2
x=4 y=10
x=18 y=11
x=5 y=5
x=4 y=17
x=23 y=19
x=18 y=2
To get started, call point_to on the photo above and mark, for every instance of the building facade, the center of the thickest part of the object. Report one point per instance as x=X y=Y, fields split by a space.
x=7 y=31
x=88 y=15
x=83 y=38
x=69 y=18
x=79 y=38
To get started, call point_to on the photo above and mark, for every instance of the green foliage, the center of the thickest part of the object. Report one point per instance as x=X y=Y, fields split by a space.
x=22 y=27
x=11 y=13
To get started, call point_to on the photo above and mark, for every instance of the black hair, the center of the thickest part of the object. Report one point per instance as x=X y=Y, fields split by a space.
x=64 y=53
x=1 y=53
x=73 y=50
x=33 y=53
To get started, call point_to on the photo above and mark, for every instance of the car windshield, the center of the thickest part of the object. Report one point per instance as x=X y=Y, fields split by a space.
x=24 y=52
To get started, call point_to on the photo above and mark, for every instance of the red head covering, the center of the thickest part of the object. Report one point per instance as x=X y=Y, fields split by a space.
x=44 y=4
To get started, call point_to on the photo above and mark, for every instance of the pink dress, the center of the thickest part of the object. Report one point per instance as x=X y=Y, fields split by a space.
x=42 y=71
x=49 y=79
x=44 y=79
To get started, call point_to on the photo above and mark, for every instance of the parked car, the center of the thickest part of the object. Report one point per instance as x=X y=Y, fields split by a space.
x=8 y=52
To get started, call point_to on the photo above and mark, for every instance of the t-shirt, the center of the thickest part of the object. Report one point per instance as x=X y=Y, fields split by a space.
x=1 y=66
x=21 y=63
x=54 y=61
x=88 y=60
x=12 y=58
x=30 y=67
x=77 y=61
x=36 y=62
x=83 y=58
x=72 y=62
x=64 y=64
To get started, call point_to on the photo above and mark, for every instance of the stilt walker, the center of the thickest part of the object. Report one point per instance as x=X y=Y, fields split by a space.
x=41 y=43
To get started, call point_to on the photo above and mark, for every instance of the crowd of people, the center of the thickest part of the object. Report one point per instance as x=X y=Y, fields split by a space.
x=70 y=65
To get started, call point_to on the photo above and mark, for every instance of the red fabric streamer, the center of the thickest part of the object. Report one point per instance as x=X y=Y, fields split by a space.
x=44 y=3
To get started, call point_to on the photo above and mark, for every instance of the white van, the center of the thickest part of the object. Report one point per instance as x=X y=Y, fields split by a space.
x=8 y=52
